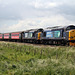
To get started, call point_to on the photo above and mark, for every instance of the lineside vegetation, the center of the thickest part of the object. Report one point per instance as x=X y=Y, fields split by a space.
x=16 y=59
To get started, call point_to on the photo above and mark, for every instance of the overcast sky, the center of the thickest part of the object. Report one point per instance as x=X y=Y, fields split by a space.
x=19 y=15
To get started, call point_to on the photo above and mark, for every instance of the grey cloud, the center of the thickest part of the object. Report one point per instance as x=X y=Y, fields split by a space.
x=11 y=11
x=68 y=10
x=14 y=10
x=21 y=9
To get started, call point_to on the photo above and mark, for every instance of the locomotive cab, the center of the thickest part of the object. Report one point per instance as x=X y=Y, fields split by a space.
x=39 y=35
x=70 y=35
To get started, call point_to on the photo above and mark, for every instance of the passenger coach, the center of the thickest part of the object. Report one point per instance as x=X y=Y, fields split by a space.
x=16 y=36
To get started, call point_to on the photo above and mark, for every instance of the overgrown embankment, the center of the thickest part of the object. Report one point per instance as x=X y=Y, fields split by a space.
x=16 y=59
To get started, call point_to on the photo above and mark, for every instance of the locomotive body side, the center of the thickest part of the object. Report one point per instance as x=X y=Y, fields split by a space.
x=28 y=36
x=52 y=36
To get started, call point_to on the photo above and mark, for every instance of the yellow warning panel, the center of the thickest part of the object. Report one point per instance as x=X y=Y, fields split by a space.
x=39 y=35
x=72 y=35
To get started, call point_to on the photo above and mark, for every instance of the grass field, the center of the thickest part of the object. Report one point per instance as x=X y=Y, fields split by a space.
x=18 y=59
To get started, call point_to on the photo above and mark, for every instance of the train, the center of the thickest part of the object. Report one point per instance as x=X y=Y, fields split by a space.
x=57 y=35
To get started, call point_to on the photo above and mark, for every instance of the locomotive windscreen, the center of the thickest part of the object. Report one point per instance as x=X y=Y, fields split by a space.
x=70 y=28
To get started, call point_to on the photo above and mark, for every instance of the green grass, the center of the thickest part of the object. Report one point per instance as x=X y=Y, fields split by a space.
x=19 y=59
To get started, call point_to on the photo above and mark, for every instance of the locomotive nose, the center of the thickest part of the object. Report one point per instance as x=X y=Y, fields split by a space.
x=72 y=37
x=38 y=35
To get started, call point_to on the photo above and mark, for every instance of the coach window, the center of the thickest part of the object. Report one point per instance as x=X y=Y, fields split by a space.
x=6 y=35
x=0 y=35
x=15 y=34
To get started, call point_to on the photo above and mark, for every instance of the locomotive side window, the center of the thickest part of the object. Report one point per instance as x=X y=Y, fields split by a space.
x=30 y=34
x=26 y=35
x=57 y=34
x=49 y=34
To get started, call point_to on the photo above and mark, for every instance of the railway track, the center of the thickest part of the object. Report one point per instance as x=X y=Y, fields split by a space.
x=31 y=44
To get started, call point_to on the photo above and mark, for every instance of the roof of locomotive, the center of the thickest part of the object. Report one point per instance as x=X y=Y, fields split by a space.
x=34 y=30
x=57 y=27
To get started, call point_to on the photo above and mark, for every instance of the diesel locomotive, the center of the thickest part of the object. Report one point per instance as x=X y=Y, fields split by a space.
x=59 y=35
